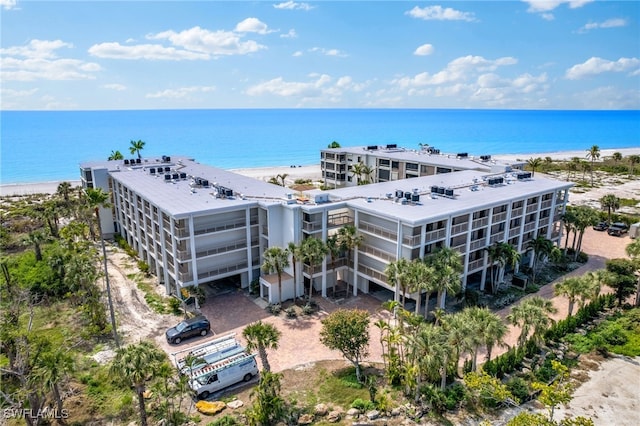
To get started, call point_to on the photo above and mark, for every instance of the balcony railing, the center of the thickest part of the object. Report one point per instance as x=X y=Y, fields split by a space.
x=411 y=240
x=461 y=248
x=475 y=264
x=314 y=226
x=529 y=226
x=373 y=273
x=378 y=230
x=231 y=224
x=479 y=223
x=514 y=232
x=532 y=208
x=222 y=249
x=496 y=237
x=378 y=253
x=438 y=234
x=222 y=270
x=516 y=212
x=457 y=229
x=543 y=222
x=545 y=204
x=499 y=217
x=339 y=219
x=476 y=244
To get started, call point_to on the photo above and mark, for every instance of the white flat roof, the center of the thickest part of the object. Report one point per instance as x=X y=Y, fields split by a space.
x=176 y=196
x=374 y=197
x=424 y=157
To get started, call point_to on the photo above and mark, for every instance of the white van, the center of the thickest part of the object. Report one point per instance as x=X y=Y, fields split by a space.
x=227 y=372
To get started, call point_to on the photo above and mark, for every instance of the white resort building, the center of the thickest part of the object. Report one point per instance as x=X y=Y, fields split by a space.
x=350 y=166
x=195 y=224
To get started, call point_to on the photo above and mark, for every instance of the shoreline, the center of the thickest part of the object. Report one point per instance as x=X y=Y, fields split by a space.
x=309 y=171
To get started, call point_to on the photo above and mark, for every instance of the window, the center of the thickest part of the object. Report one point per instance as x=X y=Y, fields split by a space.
x=412 y=166
x=395 y=165
x=384 y=163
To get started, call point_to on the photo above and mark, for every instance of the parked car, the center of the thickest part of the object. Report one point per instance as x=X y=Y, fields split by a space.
x=601 y=226
x=618 y=229
x=196 y=326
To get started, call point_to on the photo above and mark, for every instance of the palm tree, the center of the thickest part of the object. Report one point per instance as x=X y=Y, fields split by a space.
x=571 y=288
x=294 y=251
x=281 y=178
x=583 y=218
x=593 y=154
x=616 y=156
x=633 y=160
x=334 y=144
x=397 y=274
x=64 y=188
x=36 y=239
x=136 y=147
x=96 y=199
x=419 y=279
x=53 y=367
x=534 y=163
x=357 y=171
x=503 y=254
x=458 y=338
x=313 y=251
x=135 y=365
x=262 y=336
x=349 y=238
x=428 y=351
x=611 y=203
x=276 y=259
x=532 y=313
x=367 y=171
x=447 y=265
x=541 y=248
x=335 y=249
x=117 y=155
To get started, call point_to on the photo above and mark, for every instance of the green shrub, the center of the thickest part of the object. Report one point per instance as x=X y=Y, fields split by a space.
x=307 y=309
x=362 y=405
x=274 y=308
x=291 y=312
x=175 y=306
x=519 y=388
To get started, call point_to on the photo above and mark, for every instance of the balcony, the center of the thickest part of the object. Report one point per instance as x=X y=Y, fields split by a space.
x=223 y=270
x=499 y=217
x=339 y=219
x=532 y=208
x=438 y=234
x=460 y=248
x=543 y=222
x=479 y=223
x=516 y=212
x=378 y=230
x=224 y=226
x=314 y=226
x=373 y=273
x=411 y=241
x=514 y=232
x=222 y=249
x=460 y=228
x=545 y=204
x=381 y=254
x=499 y=236
x=529 y=226
x=475 y=264
x=476 y=244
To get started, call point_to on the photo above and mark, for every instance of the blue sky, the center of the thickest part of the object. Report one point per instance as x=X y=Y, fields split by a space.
x=93 y=55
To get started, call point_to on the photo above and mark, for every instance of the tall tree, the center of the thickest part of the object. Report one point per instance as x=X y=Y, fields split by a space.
x=136 y=147
x=276 y=259
x=53 y=368
x=96 y=199
x=485 y=328
x=116 y=155
x=64 y=189
x=616 y=156
x=584 y=217
x=347 y=330
x=428 y=351
x=312 y=252
x=593 y=154
x=349 y=238
x=36 y=238
x=135 y=365
x=262 y=336
x=335 y=249
x=633 y=160
x=533 y=164
x=571 y=288
x=294 y=251
x=397 y=273
x=531 y=314
x=420 y=279
x=610 y=203
x=447 y=265
x=334 y=144
x=541 y=248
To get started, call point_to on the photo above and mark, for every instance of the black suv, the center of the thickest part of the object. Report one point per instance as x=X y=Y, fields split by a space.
x=196 y=326
x=601 y=226
x=618 y=229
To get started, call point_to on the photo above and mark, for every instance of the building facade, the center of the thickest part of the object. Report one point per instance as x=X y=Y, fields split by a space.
x=195 y=224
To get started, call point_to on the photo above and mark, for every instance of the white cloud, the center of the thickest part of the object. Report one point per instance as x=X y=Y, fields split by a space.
x=180 y=93
x=424 y=50
x=438 y=13
x=594 y=66
x=320 y=87
x=297 y=53
x=115 y=86
x=291 y=5
x=536 y=6
x=328 y=52
x=291 y=34
x=252 y=25
x=39 y=60
x=609 y=23
x=215 y=43
x=144 y=51
x=8 y=4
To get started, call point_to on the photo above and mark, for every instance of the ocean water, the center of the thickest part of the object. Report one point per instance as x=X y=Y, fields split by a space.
x=38 y=146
